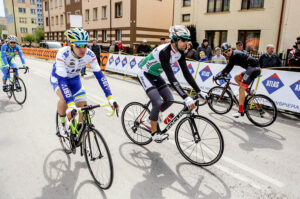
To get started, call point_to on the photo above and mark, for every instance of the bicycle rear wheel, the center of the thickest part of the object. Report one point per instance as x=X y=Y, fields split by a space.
x=10 y=90
x=64 y=141
x=210 y=147
x=261 y=110
x=136 y=123
x=98 y=158
x=19 y=92
x=219 y=100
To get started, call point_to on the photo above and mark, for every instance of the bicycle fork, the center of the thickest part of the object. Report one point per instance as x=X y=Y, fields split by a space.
x=194 y=129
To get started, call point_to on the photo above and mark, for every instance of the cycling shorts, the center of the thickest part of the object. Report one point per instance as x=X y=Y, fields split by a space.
x=75 y=85
x=4 y=69
x=150 y=81
x=249 y=75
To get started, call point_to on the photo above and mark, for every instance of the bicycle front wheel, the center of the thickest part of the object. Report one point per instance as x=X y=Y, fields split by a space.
x=204 y=151
x=136 y=123
x=219 y=100
x=261 y=110
x=64 y=141
x=98 y=158
x=19 y=91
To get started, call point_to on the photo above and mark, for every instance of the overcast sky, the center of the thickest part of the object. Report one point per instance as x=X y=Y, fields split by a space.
x=1 y=9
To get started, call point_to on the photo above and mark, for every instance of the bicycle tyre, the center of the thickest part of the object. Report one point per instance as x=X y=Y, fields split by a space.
x=23 y=87
x=87 y=154
x=64 y=141
x=135 y=125
x=219 y=137
x=214 y=98
x=268 y=101
x=9 y=92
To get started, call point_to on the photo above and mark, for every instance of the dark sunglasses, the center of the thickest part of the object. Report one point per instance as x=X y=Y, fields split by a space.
x=226 y=51
x=12 y=42
x=184 y=40
x=80 y=45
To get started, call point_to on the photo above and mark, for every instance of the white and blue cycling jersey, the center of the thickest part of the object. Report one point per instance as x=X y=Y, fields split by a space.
x=65 y=75
x=7 y=56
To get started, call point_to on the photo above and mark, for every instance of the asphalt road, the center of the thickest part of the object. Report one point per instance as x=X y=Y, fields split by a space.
x=257 y=162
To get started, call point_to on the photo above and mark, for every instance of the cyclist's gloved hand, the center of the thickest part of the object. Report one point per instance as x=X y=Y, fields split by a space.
x=69 y=111
x=189 y=102
x=203 y=95
x=114 y=104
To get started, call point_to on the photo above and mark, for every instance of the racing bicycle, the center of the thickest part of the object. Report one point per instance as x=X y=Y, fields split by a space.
x=197 y=138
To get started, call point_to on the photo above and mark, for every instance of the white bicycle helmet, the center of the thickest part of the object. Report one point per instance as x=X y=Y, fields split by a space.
x=12 y=38
x=77 y=36
x=179 y=31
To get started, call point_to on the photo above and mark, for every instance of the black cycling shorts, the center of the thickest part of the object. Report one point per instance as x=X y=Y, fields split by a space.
x=249 y=76
x=150 y=81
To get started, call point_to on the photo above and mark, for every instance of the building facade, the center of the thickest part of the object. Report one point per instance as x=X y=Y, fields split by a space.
x=39 y=12
x=256 y=23
x=22 y=17
x=129 y=21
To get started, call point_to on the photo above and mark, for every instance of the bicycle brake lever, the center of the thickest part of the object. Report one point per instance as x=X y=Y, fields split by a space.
x=116 y=106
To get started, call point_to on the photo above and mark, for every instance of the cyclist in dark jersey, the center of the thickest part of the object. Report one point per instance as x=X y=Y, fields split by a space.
x=160 y=60
x=245 y=78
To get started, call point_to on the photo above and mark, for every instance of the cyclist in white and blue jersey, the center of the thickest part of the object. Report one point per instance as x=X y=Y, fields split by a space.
x=65 y=77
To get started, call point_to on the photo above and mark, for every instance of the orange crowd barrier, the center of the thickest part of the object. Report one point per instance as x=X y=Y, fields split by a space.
x=40 y=53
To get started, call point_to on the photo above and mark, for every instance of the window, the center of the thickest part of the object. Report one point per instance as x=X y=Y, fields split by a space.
x=104 y=16
x=119 y=35
x=47 y=21
x=22 y=10
x=186 y=17
x=95 y=13
x=32 y=1
x=60 y=3
x=51 y=6
x=21 y=1
x=118 y=11
x=217 y=5
x=250 y=39
x=23 y=30
x=33 y=20
x=22 y=20
x=56 y=20
x=77 y=1
x=186 y=3
x=33 y=30
x=46 y=5
x=32 y=11
x=61 y=19
x=104 y=36
x=216 y=38
x=248 y=4
x=95 y=34
x=55 y=3
x=52 y=21
x=87 y=15
x=68 y=2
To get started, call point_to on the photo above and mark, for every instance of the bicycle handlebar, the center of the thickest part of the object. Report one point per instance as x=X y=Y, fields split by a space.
x=13 y=69
x=91 y=107
x=215 y=78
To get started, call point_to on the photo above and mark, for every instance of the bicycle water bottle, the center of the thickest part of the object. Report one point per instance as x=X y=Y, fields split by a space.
x=169 y=118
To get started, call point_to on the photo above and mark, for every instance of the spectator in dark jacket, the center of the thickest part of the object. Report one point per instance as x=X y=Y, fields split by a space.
x=162 y=40
x=206 y=48
x=113 y=47
x=96 y=49
x=269 y=59
x=144 y=48
x=240 y=46
x=190 y=53
x=294 y=55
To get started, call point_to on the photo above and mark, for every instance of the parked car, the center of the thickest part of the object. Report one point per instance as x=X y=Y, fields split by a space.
x=50 y=44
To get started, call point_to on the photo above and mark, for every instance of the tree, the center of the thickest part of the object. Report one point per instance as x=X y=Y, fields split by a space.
x=29 y=38
x=39 y=34
x=193 y=31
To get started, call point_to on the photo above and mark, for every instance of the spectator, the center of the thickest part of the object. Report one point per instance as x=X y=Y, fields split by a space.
x=218 y=58
x=294 y=55
x=203 y=57
x=269 y=59
x=190 y=52
x=240 y=46
x=144 y=48
x=113 y=47
x=1 y=42
x=162 y=40
x=206 y=48
x=120 y=46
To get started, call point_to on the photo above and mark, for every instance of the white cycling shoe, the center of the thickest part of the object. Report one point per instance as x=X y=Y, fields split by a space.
x=159 y=137
x=62 y=130
x=238 y=114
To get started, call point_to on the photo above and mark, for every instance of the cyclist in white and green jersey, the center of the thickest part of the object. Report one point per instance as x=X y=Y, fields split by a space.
x=160 y=60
